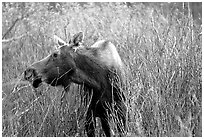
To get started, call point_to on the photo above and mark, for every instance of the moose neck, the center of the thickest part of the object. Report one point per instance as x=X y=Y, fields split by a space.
x=90 y=71
x=80 y=77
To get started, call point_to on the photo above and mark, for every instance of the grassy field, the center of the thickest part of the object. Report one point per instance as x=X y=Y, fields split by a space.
x=161 y=48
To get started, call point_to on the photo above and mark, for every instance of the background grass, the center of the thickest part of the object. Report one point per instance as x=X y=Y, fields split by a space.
x=160 y=44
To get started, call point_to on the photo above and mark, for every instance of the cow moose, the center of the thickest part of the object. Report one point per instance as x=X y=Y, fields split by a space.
x=98 y=68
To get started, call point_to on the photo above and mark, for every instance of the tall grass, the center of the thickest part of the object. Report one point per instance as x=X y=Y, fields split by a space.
x=162 y=54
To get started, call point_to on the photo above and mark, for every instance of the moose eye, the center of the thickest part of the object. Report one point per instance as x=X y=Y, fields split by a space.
x=54 y=55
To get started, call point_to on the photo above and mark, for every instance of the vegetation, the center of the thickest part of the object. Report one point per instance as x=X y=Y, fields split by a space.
x=160 y=44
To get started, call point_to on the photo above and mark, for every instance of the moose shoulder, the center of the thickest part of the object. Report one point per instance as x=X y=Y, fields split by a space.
x=99 y=68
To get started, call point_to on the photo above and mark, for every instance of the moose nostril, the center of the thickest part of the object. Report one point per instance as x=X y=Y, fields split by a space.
x=28 y=74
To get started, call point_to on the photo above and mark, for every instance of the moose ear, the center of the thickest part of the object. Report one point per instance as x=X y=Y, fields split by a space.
x=59 y=41
x=77 y=39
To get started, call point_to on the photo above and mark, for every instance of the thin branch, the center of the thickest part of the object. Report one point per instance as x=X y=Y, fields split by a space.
x=7 y=32
x=26 y=15
x=13 y=39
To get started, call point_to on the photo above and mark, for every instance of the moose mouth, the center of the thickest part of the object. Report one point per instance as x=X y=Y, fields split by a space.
x=37 y=82
x=36 y=79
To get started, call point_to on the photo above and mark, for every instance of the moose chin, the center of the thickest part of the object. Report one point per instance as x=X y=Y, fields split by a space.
x=98 y=68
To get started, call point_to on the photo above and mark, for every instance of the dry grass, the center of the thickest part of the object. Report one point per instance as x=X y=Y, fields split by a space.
x=162 y=55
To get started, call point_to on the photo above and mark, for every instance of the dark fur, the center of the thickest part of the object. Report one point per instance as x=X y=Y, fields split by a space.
x=83 y=67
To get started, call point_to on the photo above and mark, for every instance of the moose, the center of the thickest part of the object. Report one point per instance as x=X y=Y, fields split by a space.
x=98 y=68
